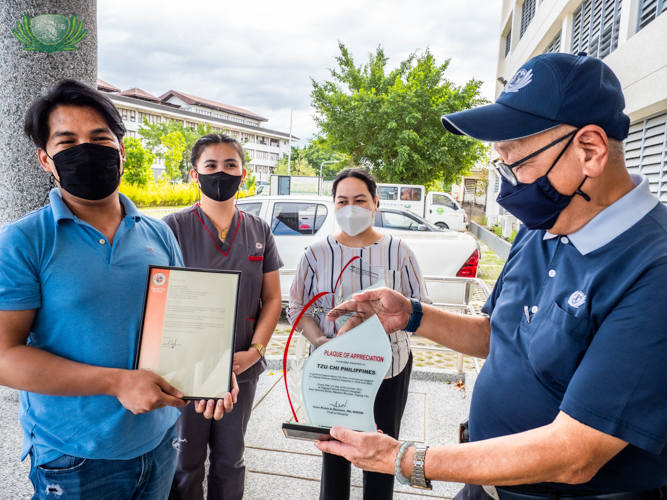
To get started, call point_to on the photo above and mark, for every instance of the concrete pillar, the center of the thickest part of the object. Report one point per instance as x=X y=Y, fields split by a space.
x=629 y=20
x=23 y=76
x=566 y=33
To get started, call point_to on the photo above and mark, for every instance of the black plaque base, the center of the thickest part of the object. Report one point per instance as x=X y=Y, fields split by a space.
x=306 y=432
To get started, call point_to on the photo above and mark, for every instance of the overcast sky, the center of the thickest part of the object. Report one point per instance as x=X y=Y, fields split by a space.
x=260 y=55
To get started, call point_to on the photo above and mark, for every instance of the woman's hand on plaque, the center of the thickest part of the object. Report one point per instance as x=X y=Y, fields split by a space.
x=216 y=410
x=392 y=308
x=370 y=451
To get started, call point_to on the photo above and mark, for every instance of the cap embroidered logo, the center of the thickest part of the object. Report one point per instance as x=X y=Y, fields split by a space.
x=520 y=79
x=577 y=299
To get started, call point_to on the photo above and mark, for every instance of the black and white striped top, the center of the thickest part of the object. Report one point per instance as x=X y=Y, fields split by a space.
x=321 y=266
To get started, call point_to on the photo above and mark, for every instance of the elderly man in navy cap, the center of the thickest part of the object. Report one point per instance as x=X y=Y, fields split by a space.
x=571 y=400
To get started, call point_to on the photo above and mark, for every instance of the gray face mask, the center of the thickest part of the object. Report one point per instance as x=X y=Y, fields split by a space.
x=354 y=220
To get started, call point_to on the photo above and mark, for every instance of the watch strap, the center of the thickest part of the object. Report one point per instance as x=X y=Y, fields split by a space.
x=418 y=479
x=415 y=317
x=260 y=348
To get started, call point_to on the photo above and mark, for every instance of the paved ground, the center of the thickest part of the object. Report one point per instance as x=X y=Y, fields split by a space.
x=281 y=468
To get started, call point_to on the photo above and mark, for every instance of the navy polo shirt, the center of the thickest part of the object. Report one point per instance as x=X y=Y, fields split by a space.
x=88 y=295
x=579 y=325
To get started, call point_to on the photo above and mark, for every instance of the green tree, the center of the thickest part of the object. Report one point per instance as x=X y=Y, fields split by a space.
x=299 y=165
x=390 y=122
x=153 y=134
x=138 y=161
x=174 y=145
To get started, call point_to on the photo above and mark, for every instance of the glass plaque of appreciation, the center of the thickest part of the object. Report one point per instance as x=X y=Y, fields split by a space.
x=188 y=329
x=337 y=383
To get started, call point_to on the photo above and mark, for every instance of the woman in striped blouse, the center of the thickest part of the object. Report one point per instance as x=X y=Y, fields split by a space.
x=356 y=201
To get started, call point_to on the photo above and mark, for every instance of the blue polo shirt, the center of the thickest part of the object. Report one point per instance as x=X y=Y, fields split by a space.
x=579 y=325
x=88 y=296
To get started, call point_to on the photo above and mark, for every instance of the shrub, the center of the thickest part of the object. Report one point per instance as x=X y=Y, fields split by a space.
x=512 y=236
x=165 y=194
x=498 y=230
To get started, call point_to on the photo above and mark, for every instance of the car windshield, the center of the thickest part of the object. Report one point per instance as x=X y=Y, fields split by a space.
x=425 y=222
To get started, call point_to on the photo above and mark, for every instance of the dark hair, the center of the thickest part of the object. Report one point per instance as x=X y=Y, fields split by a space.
x=209 y=140
x=360 y=174
x=68 y=93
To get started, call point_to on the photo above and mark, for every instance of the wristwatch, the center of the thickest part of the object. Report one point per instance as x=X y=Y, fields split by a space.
x=415 y=317
x=260 y=348
x=418 y=479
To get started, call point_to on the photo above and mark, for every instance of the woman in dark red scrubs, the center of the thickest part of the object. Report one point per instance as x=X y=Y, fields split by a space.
x=214 y=234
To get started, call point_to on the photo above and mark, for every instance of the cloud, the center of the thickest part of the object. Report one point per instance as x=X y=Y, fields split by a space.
x=261 y=55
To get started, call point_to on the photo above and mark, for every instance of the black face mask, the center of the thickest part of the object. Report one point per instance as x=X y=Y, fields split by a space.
x=88 y=171
x=219 y=186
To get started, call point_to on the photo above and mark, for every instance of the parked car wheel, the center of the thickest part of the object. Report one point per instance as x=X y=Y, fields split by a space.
x=442 y=225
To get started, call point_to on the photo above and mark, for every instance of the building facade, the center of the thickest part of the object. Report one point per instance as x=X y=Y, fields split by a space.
x=264 y=146
x=628 y=35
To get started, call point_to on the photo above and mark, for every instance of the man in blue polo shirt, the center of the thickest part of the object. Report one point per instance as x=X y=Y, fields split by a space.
x=72 y=278
x=571 y=400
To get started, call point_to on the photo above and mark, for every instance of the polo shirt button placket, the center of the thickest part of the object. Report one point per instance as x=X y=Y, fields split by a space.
x=564 y=240
x=552 y=273
x=102 y=242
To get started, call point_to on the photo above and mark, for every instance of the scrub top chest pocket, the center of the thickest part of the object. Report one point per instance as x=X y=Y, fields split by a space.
x=557 y=344
x=256 y=254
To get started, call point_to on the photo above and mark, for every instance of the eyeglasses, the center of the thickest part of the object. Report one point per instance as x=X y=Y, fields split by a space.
x=507 y=171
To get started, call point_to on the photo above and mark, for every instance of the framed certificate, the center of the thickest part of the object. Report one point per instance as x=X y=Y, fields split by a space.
x=188 y=329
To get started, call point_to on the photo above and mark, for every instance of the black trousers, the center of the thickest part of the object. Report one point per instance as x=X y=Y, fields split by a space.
x=388 y=411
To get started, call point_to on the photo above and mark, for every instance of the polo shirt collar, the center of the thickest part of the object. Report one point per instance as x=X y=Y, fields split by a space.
x=61 y=211
x=615 y=219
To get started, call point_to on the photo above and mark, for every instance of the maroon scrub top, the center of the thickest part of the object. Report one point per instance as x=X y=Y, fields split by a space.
x=249 y=247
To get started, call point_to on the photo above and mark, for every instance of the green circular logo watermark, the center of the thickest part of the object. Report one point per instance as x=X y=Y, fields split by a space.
x=50 y=33
x=440 y=211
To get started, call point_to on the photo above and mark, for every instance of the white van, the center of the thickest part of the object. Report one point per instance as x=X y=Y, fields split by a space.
x=438 y=208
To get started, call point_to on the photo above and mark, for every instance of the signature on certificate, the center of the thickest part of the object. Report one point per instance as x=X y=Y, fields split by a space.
x=170 y=343
x=339 y=405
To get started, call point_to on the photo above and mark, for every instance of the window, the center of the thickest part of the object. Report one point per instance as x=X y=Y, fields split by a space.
x=250 y=208
x=393 y=220
x=645 y=152
x=123 y=113
x=554 y=46
x=508 y=43
x=595 y=27
x=411 y=194
x=444 y=201
x=496 y=185
x=133 y=115
x=388 y=193
x=527 y=14
x=297 y=218
x=649 y=10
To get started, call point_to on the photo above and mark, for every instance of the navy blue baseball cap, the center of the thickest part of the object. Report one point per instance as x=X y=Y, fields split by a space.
x=548 y=90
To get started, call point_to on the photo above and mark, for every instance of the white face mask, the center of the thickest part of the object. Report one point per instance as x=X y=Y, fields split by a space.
x=354 y=220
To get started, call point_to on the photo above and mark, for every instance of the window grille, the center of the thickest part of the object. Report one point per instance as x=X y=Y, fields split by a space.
x=595 y=27
x=508 y=43
x=527 y=14
x=554 y=46
x=649 y=10
x=646 y=150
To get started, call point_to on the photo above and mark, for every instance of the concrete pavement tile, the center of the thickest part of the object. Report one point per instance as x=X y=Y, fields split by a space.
x=414 y=418
x=265 y=383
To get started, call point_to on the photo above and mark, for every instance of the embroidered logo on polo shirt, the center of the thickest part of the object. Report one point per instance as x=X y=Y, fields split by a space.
x=577 y=299
x=258 y=245
x=150 y=250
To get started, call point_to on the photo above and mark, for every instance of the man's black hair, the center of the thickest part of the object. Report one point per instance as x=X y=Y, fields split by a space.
x=69 y=93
